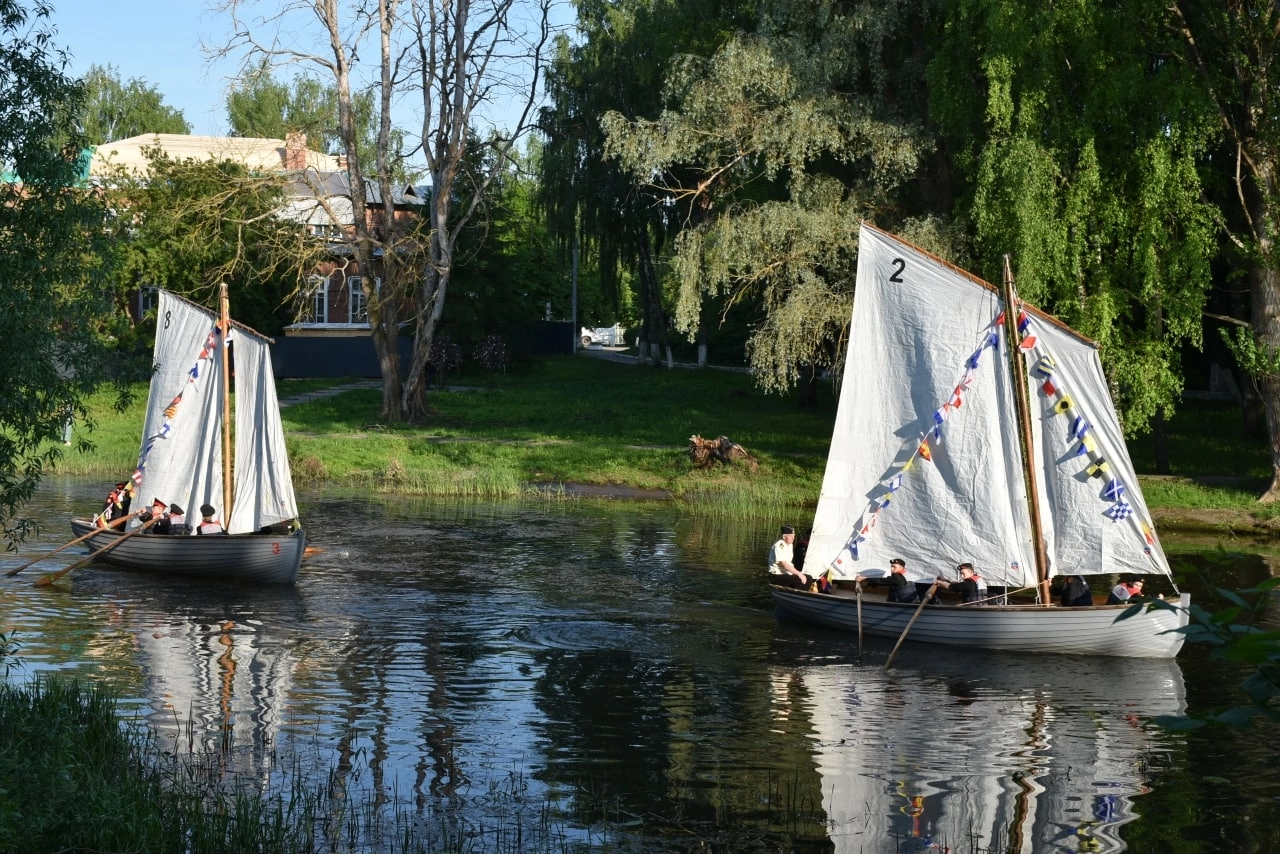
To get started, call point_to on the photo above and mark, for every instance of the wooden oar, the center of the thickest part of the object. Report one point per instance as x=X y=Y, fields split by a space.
x=910 y=623
x=46 y=580
x=114 y=523
x=857 y=592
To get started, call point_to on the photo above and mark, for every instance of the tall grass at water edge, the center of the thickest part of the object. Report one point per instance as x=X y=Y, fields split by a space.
x=73 y=777
x=576 y=420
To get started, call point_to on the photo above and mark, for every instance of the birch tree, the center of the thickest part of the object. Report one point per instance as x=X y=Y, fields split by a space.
x=438 y=65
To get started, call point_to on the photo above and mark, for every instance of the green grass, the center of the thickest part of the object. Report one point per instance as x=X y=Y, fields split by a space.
x=590 y=421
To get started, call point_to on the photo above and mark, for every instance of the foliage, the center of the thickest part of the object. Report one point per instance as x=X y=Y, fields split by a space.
x=773 y=150
x=55 y=313
x=194 y=224
x=1233 y=628
x=1230 y=50
x=510 y=270
x=1104 y=221
x=9 y=659
x=493 y=353
x=114 y=109
x=594 y=207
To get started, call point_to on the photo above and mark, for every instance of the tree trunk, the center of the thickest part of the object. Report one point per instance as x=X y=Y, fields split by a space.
x=1266 y=326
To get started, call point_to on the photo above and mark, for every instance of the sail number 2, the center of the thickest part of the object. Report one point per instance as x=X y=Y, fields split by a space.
x=898 y=266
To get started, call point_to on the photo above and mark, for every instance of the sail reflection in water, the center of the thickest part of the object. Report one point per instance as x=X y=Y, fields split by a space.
x=216 y=686
x=985 y=752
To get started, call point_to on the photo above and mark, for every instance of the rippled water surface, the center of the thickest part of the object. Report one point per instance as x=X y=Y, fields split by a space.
x=616 y=669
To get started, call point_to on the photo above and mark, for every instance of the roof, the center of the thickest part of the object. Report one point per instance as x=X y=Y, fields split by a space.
x=252 y=152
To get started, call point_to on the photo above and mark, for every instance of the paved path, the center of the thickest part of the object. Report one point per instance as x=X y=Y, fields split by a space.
x=320 y=393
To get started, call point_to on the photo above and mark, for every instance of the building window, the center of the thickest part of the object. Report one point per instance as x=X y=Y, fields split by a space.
x=315 y=306
x=148 y=296
x=357 y=310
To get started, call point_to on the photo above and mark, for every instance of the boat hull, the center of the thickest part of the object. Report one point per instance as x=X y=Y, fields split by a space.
x=261 y=558
x=1012 y=628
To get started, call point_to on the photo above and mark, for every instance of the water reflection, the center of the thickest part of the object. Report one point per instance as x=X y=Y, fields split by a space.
x=619 y=665
x=987 y=752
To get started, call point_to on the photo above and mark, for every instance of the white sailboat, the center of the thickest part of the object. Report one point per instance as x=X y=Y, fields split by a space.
x=935 y=459
x=185 y=450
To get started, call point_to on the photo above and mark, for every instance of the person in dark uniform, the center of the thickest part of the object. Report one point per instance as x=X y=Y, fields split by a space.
x=901 y=588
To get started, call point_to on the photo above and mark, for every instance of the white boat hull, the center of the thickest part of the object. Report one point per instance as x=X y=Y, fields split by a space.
x=261 y=558
x=1014 y=628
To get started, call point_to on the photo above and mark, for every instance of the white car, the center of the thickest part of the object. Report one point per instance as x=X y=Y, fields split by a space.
x=607 y=336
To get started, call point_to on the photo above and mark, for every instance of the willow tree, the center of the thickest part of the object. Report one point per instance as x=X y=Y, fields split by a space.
x=772 y=150
x=593 y=205
x=1078 y=143
x=56 y=314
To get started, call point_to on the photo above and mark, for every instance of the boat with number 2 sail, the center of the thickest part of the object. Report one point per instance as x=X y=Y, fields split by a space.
x=975 y=428
x=187 y=458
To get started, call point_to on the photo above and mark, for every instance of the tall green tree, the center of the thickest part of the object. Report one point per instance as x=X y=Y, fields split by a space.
x=771 y=152
x=1077 y=143
x=56 y=315
x=1232 y=49
x=116 y=109
x=593 y=204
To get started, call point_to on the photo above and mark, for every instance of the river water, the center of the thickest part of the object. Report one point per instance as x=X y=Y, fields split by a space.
x=611 y=676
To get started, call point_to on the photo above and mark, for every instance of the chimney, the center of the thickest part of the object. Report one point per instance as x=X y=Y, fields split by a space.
x=295 y=151
x=342 y=163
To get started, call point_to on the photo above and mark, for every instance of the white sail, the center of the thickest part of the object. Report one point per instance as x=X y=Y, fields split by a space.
x=263 y=482
x=1094 y=523
x=181 y=457
x=921 y=346
x=925 y=459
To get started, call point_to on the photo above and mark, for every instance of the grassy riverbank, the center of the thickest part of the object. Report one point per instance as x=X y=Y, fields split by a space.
x=624 y=428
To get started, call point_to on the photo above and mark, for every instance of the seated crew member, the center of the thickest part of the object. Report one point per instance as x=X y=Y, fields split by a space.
x=970 y=586
x=782 y=568
x=209 y=523
x=901 y=588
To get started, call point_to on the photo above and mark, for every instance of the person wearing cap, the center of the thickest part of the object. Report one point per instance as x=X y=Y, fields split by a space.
x=177 y=520
x=782 y=569
x=971 y=587
x=901 y=588
x=209 y=523
x=158 y=512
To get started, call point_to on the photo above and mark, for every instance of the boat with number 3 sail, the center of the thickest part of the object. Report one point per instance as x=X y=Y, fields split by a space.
x=187 y=457
x=975 y=428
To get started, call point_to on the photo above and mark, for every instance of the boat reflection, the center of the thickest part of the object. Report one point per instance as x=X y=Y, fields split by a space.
x=984 y=752
x=218 y=679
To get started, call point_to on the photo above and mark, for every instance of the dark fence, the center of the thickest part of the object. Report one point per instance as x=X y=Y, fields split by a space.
x=294 y=357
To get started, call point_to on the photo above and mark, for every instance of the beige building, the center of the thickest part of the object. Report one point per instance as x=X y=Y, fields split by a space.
x=268 y=155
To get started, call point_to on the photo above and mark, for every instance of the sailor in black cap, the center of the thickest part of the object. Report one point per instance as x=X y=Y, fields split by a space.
x=209 y=523
x=782 y=569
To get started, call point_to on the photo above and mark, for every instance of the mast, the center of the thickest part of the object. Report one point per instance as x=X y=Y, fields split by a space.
x=1018 y=368
x=224 y=321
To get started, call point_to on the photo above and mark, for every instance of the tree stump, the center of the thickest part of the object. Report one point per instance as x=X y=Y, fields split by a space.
x=704 y=453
